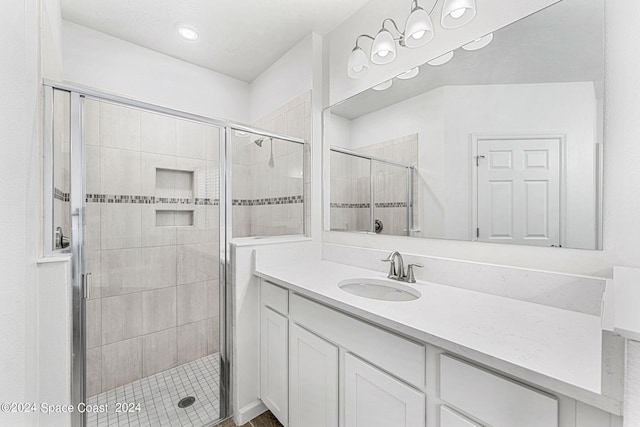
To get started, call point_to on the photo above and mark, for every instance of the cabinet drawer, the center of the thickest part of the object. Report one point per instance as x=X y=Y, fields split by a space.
x=450 y=418
x=495 y=400
x=275 y=297
x=399 y=356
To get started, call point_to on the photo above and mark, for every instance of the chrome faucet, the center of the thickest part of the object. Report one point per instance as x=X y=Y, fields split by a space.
x=396 y=268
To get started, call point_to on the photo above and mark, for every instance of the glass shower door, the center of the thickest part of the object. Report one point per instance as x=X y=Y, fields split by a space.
x=153 y=245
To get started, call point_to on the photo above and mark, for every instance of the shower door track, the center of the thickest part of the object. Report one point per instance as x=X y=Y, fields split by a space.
x=77 y=239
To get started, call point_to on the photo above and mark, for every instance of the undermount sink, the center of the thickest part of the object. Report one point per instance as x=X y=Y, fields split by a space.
x=384 y=290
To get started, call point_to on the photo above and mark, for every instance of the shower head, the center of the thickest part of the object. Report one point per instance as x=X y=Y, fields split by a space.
x=259 y=142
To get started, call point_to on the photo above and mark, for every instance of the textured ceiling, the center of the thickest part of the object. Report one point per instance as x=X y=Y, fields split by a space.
x=239 y=38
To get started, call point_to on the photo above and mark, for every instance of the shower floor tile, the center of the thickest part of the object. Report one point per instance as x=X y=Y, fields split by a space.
x=158 y=396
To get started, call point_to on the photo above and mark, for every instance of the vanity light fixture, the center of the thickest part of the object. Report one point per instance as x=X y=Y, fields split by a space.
x=409 y=74
x=187 y=33
x=442 y=59
x=384 y=85
x=358 y=64
x=418 y=31
x=456 y=13
x=479 y=43
x=383 y=50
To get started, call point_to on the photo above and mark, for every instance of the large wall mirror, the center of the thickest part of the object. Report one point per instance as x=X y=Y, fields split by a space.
x=499 y=144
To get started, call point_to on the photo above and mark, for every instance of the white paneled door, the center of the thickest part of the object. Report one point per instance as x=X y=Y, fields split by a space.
x=518 y=185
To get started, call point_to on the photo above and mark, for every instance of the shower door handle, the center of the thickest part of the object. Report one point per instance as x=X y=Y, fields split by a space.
x=86 y=285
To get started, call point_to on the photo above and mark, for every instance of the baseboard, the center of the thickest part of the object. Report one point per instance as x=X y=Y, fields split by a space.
x=249 y=412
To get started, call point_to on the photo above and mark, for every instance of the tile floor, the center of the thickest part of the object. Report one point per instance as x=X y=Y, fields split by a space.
x=158 y=396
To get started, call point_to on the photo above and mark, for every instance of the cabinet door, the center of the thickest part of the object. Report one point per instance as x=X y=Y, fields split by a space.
x=313 y=380
x=273 y=363
x=450 y=418
x=375 y=399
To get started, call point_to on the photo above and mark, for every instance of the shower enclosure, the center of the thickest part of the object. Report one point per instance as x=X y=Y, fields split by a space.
x=142 y=197
x=370 y=194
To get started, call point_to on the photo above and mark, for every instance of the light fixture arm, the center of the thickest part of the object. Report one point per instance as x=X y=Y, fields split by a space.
x=415 y=5
x=396 y=28
x=363 y=35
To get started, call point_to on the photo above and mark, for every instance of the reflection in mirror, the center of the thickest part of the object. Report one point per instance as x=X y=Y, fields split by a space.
x=61 y=154
x=369 y=194
x=505 y=138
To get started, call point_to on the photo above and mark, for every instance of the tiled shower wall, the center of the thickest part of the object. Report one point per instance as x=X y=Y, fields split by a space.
x=268 y=201
x=350 y=192
x=153 y=300
x=350 y=205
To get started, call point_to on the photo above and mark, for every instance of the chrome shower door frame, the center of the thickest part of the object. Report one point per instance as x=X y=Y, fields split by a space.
x=80 y=286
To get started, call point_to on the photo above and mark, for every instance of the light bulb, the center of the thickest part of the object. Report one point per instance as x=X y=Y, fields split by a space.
x=419 y=28
x=188 y=33
x=383 y=50
x=458 y=13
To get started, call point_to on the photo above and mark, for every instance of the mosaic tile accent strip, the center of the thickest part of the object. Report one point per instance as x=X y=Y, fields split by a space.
x=119 y=198
x=367 y=205
x=148 y=200
x=285 y=200
x=350 y=205
x=60 y=195
x=207 y=202
x=391 y=205
x=173 y=200
x=158 y=396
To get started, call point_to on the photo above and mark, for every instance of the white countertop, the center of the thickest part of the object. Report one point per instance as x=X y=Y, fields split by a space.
x=561 y=344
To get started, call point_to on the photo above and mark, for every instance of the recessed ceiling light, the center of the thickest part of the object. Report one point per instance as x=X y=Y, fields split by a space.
x=443 y=59
x=384 y=85
x=409 y=74
x=187 y=33
x=479 y=43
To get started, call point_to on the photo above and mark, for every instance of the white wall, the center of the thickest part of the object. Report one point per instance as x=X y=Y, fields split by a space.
x=287 y=78
x=51 y=40
x=19 y=201
x=491 y=16
x=109 y=64
x=446 y=118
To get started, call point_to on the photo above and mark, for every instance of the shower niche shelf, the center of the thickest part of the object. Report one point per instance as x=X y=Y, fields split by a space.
x=174 y=184
x=174 y=187
x=168 y=218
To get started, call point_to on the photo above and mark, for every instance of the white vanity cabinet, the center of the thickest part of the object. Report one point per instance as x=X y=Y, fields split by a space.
x=274 y=350
x=383 y=374
x=313 y=380
x=321 y=367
